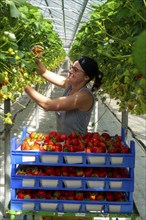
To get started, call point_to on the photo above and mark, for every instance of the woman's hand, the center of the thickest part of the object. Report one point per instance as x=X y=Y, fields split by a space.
x=38 y=51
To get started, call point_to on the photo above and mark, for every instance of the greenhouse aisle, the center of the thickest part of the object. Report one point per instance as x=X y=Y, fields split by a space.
x=108 y=121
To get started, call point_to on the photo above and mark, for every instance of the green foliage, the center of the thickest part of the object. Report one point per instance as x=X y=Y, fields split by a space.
x=22 y=26
x=109 y=37
x=139 y=52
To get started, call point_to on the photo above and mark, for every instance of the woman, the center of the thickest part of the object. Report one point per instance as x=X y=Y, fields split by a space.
x=73 y=109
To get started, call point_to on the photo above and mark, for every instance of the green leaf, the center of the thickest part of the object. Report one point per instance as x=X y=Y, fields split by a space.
x=5 y=89
x=139 y=52
x=111 y=5
x=19 y=2
x=14 y=12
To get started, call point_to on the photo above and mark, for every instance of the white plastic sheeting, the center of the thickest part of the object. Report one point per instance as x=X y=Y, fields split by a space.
x=66 y=15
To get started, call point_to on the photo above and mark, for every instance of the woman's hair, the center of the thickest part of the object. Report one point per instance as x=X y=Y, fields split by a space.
x=90 y=67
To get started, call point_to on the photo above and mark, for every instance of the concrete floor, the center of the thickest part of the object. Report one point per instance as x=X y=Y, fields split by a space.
x=108 y=119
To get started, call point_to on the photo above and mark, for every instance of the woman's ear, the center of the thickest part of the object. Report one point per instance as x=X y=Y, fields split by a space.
x=87 y=78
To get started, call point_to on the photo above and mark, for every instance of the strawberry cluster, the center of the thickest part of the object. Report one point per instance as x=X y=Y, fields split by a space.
x=70 y=195
x=70 y=171
x=75 y=142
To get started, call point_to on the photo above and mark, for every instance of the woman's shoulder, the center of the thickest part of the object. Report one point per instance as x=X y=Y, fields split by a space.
x=86 y=89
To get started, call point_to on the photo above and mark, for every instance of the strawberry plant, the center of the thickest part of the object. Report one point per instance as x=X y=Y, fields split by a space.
x=115 y=32
x=22 y=26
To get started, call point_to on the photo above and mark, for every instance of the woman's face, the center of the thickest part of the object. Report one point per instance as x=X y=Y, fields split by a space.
x=77 y=74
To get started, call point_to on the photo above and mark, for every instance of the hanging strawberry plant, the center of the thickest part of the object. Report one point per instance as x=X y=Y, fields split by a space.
x=111 y=32
x=23 y=26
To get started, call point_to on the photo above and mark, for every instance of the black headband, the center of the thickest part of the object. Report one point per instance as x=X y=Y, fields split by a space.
x=89 y=66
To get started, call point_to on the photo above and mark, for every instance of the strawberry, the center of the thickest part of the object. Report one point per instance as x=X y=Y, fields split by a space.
x=79 y=171
x=120 y=196
x=102 y=172
x=88 y=135
x=35 y=146
x=110 y=196
x=88 y=171
x=92 y=195
x=25 y=145
x=63 y=137
x=41 y=194
x=95 y=135
x=33 y=135
x=20 y=195
x=27 y=196
x=58 y=171
x=48 y=194
x=58 y=147
x=100 y=196
x=97 y=149
x=125 y=149
x=113 y=149
x=118 y=137
x=79 y=196
x=88 y=150
x=64 y=171
x=35 y=171
x=105 y=135
x=40 y=137
x=66 y=148
x=43 y=147
x=50 y=171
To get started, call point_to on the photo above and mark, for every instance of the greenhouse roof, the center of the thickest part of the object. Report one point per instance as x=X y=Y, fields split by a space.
x=66 y=16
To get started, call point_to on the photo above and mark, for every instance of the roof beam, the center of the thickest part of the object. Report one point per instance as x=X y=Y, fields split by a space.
x=48 y=8
x=63 y=11
x=85 y=2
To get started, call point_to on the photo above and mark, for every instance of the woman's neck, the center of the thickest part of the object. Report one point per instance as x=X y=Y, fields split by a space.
x=75 y=89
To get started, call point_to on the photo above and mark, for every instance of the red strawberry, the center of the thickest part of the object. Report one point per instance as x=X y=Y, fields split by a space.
x=64 y=171
x=100 y=196
x=125 y=149
x=88 y=171
x=105 y=135
x=79 y=196
x=50 y=171
x=48 y=194
x=102 y=172
x=110 y=196
x=119 y=196
x=58 y=171
x=113 y=149
x=63 y=137
x=41 y=194
x=20 y=195
x=118 y=137
x=66 y=147
x=58 y=147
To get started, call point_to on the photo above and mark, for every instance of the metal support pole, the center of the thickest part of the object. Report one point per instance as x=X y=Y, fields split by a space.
x=96 y=116
x=7 y=128
x=37 y=114
x=125 y=122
